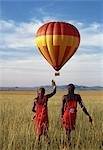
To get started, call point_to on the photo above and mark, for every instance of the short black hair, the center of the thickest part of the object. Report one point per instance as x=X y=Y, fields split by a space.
x=41 y=88
x=71 y=85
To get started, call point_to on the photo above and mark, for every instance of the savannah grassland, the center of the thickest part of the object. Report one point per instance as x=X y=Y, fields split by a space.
x=17 y=130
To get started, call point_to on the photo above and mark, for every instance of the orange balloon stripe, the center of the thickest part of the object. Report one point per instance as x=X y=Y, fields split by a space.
x=57 y=28
x=49 y=44
x=68 y=54
x=56 y=50
x=67 y=50
x=44 y=52
x=48 y=58
x=47 y=55
x=42 y=31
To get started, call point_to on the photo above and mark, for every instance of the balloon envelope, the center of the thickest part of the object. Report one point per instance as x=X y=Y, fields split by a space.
x=57 y=42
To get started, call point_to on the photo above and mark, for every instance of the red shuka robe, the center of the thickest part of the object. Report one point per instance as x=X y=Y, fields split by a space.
x=41 y=118
x=69 y=116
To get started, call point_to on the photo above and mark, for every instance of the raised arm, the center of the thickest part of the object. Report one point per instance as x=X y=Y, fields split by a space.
x=54 y=90
x=84 y=108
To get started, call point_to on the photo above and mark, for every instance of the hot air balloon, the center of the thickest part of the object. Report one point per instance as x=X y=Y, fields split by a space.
x=57 y=42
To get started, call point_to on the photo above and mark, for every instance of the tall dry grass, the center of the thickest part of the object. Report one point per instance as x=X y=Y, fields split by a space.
x=17 y=130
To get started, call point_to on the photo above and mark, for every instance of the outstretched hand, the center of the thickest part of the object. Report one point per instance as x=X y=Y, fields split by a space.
x=90 y=119
x=53 y=83
x=33 y=117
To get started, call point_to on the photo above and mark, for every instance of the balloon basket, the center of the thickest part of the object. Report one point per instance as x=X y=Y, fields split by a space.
x=57 y=74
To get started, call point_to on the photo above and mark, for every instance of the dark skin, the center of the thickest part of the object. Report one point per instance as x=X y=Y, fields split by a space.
x=41 y=93
x=70 y=96
x=38 y=99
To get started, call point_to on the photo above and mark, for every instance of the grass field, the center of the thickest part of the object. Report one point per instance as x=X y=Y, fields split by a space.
x=17 y=130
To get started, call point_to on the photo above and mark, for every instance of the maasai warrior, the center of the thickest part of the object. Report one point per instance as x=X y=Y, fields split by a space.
x=69 y=109
x=40 y=110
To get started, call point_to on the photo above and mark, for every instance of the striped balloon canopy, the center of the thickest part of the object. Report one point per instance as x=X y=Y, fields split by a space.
x=57 y=42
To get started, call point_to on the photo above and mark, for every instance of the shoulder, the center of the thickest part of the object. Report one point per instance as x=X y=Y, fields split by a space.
x=45 y=98
x=65 y=96
x=78 y=97
x=35 y=99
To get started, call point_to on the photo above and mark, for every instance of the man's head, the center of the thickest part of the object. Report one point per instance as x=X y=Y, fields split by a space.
x=71 y=88
x=41 y=92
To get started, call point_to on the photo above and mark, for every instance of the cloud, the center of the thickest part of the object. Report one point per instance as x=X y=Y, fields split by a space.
x=17 y=35
x=23 y=34
x=35 y=71
x=24 y=72
x=92 y=35
x=22 y=65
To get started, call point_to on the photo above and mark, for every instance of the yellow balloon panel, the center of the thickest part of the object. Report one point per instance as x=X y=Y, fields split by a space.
x=54 y=48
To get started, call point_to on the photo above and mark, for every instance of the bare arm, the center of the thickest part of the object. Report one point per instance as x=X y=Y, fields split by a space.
x=84 y=108
x=54 y=90
x=52 y=93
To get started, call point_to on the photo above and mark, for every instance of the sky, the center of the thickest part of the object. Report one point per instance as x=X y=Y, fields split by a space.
x=21 y=64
